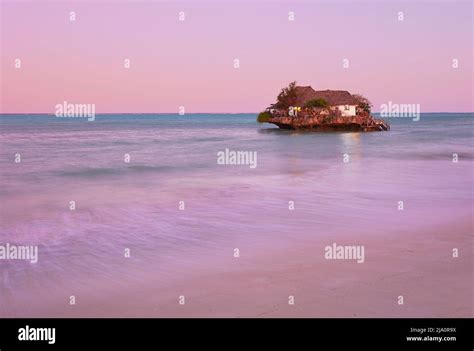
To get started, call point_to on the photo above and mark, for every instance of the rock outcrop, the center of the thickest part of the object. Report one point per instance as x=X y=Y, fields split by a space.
x=302 y=107
x=363 y=122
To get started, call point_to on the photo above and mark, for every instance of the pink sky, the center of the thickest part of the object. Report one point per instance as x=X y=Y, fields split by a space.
x=190 y=63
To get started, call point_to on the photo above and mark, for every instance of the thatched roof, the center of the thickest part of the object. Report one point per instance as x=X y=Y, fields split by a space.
x=332 y=97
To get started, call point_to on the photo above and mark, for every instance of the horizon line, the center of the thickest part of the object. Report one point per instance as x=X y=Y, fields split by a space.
x=187 y=113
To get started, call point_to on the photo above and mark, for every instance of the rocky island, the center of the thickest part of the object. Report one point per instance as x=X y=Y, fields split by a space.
x=303 y=108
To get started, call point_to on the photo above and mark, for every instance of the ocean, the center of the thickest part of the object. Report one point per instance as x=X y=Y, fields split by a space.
x=173 y=212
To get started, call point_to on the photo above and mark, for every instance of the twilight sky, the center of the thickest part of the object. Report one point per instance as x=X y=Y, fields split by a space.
x=190 y=63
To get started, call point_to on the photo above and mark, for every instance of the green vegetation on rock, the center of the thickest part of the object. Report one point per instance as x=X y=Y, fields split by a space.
x=264 y=117
x=317 y=103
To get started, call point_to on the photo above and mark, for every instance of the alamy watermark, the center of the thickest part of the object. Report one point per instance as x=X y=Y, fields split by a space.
x=229 y=157
x=75 y=110
x=346 y=252
x=37 y=334
x=19 y=252
x=400 y=110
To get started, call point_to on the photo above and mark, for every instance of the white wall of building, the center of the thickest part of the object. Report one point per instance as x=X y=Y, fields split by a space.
x=347 y=110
